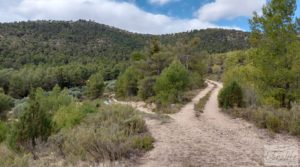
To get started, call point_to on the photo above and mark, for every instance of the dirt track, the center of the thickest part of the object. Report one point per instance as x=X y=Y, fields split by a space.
x=213 y=139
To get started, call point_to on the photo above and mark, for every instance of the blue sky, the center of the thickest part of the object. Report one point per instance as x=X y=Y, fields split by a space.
x=186 y=9
x=142 y=16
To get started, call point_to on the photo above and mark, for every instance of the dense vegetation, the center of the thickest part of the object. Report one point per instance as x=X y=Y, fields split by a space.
x=60 y=42
x=46 y=53
x=162 y=74
x=71 y=129
x=267 y=77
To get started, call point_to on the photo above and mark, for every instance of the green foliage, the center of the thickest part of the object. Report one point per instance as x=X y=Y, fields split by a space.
x=3 y=131
x=18 y=82
x=274 y=33
x=52 y=101
x=116 y=131
x=137 y=56
x=127 y=83
x=61 y=42
x=231 y=96
x=6 y=102
x=88 y=107
x=35 y=122
x=95 y=86
x=146 y=89
x=239 y=68
x=273 y=119
x=68 y=116
x=77 y=92
x=196 y=81
x=273 y=122
x=143 y=142
x=171 y=83
x=155 y=59
x=18 y=87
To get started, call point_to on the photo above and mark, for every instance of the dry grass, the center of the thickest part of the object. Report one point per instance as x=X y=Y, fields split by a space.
x=160 y=117
x=275 y=120
x=199 y=107
x=114 y=133
x=9 y=158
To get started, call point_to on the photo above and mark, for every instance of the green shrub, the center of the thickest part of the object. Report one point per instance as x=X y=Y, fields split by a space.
x=12 y=137
x=20 y=107
x=143 y=142
x=53 y=100
x=146 y=89
x=90 y=106
x=113 y=133
x=95 y=86
x=127 y=83
x=273 y=122
x=68 y=116
x=110 y=85
x=259 y=117
x=35 y=123
x=77 y=92
x=3 y=131
x=196 y=81
x=274 y=119
x=231 y=96
x=6 y=102
x=171 y=84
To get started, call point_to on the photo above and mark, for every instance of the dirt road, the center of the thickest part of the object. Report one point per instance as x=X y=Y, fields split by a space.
x=214 y=139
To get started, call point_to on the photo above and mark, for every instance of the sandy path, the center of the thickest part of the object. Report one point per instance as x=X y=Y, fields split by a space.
x=212 y=140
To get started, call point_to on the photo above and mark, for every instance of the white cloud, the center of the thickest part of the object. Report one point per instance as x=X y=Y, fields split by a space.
x=229 y=9
x=124 y=15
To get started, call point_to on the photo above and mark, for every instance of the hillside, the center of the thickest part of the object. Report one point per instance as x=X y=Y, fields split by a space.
x=60 y=42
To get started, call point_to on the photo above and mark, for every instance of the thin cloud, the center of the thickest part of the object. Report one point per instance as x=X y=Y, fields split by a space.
x=229 y=9
x=159 y=2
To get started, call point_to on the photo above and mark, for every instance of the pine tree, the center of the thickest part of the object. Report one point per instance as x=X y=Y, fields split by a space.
x=35 y=123
x=95 y=86
x=171 y=83
x=275 y=35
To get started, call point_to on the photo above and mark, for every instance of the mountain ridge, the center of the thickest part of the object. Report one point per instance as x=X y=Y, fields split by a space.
x=35 y=42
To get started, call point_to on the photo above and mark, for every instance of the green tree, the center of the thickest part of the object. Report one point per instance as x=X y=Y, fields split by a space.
x=275 y=35
x=231 y=96
x=95 y=86
x=18 y=88
x=6 y=102
x=157 y=58
x=35 y=123
x=171 y=83
x=146 y=88
x=127 y=83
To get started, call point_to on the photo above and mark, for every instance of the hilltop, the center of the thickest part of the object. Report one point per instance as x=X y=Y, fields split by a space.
x=61 y=42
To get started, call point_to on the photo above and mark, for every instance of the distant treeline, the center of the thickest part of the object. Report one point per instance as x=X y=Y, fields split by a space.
x=62 y=42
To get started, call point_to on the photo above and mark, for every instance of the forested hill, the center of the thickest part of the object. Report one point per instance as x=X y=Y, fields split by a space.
x=60 y=42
